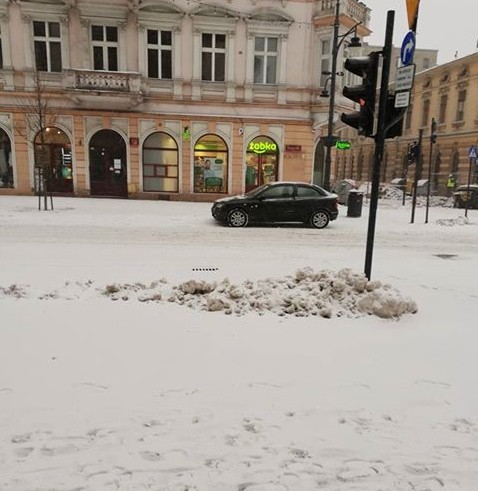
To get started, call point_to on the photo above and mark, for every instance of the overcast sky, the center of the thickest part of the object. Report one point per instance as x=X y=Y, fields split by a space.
x=448 y=27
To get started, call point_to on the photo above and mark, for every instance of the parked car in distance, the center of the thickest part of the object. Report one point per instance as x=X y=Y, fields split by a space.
x=464 y=194
x=342 y=189
x=278 y=202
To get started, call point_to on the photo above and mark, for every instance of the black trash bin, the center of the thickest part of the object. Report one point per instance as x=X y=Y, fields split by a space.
x=354 y=208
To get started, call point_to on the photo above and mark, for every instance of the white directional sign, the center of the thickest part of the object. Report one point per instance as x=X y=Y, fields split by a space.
x=402 y=99
x=405 y=76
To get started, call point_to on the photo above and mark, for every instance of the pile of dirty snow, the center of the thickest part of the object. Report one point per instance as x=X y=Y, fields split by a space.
x=324 y=293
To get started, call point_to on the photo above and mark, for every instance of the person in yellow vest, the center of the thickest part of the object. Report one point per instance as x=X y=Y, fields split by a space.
x=451 y=184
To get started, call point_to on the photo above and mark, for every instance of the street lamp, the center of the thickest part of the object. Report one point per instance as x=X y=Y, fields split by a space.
x=354 y=43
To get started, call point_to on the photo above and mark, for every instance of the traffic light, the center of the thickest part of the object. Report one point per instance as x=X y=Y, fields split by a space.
x=365 y=67
x=393 y=119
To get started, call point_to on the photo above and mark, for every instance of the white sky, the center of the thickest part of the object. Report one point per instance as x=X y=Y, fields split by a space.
x=100 y=394
x=446 y=26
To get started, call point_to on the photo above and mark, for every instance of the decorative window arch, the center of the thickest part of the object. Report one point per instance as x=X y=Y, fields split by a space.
x=160 y=163
x=211 y=163
x=53 y=155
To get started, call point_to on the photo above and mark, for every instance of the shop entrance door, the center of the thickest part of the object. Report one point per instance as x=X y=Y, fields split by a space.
x=108 y=172
x=260 y=169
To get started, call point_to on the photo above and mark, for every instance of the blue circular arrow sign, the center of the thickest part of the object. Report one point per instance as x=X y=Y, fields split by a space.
x=408 y=48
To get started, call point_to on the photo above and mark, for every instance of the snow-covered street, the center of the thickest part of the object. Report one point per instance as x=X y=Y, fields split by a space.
x=114 y=376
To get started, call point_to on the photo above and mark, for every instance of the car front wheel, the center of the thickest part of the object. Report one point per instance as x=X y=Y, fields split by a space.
x=237 y=218
x=319 y=219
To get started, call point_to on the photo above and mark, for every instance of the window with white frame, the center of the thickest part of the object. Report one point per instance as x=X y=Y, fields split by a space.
x=326 y=53
x=105 y=47
x=213 y=57
x=160 y=54
x=47 y=46
x=265 y=60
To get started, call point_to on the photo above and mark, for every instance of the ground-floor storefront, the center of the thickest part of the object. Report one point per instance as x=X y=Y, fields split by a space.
x=145 y=156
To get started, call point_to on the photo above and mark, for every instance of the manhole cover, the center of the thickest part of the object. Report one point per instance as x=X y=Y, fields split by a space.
x=446 y=256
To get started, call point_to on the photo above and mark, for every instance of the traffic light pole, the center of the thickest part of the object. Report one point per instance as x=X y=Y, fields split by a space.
x=379 y=140
x=430 y=157
x=333 y=75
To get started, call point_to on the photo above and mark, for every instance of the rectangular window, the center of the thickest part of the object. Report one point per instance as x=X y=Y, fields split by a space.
x=460 y=109
x=443 y=105
x=426 y=112
x=1 y=52
x=105 y=47
x=265 y=60
x=160 y=54
x=326 y=53
x=47 y=46
x=213 y=57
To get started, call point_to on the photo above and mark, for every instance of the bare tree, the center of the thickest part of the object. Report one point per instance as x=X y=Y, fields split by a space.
x=39 y=117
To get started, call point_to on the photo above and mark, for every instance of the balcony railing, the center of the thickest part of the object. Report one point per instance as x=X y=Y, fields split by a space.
x=127 y=82
x=354 y=9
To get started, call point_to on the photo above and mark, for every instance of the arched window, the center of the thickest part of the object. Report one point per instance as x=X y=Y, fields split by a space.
x=6 y=168
x=455 y=160
x=53 y=156
x=160 y=163
x=210 y=165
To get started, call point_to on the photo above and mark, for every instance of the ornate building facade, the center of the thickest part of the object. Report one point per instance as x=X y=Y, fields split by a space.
x=165 y=99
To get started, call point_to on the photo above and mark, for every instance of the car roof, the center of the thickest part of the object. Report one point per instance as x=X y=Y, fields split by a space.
x=465 y=186
x=290 y=183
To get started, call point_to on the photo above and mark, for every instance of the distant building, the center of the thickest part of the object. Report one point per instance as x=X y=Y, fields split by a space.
x=448 y=93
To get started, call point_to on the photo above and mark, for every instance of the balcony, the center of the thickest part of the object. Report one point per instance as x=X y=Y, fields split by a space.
x=350 y=12
x=101 y=89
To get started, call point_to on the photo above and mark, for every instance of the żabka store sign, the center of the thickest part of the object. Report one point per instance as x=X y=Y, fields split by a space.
x=262 y=147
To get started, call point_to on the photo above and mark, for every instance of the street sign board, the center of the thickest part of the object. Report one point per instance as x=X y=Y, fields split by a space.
x=405 y=76
x=472 y=153
x=402 y=99
x=408 y=48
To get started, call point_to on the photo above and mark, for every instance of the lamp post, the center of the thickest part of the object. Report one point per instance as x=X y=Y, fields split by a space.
x=355 y=42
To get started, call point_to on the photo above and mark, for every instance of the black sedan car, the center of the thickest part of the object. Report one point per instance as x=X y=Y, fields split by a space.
x=464 y=194
x=278 y=202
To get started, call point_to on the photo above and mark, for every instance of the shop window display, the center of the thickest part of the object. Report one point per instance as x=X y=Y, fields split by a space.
x=210 y=165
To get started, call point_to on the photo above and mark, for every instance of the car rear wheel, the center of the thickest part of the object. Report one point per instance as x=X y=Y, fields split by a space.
x=319 y=219
x=237 y=218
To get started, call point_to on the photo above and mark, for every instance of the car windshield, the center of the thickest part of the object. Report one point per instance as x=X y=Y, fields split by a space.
x=255 y=191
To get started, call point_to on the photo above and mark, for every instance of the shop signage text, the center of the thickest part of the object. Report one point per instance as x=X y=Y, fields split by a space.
x=262 y=147
x=342 y=145
x=293 y=148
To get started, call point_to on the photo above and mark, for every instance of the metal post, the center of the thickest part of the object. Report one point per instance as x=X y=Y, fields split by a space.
x=333 y=75
x=469 y=191
x=430 y=169
x=418 y=173
x=379 y=140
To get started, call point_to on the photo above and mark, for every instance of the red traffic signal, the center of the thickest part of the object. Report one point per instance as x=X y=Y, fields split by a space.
x=365 y=67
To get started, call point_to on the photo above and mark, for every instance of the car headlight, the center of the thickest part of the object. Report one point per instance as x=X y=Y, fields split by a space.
x=218 y=206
